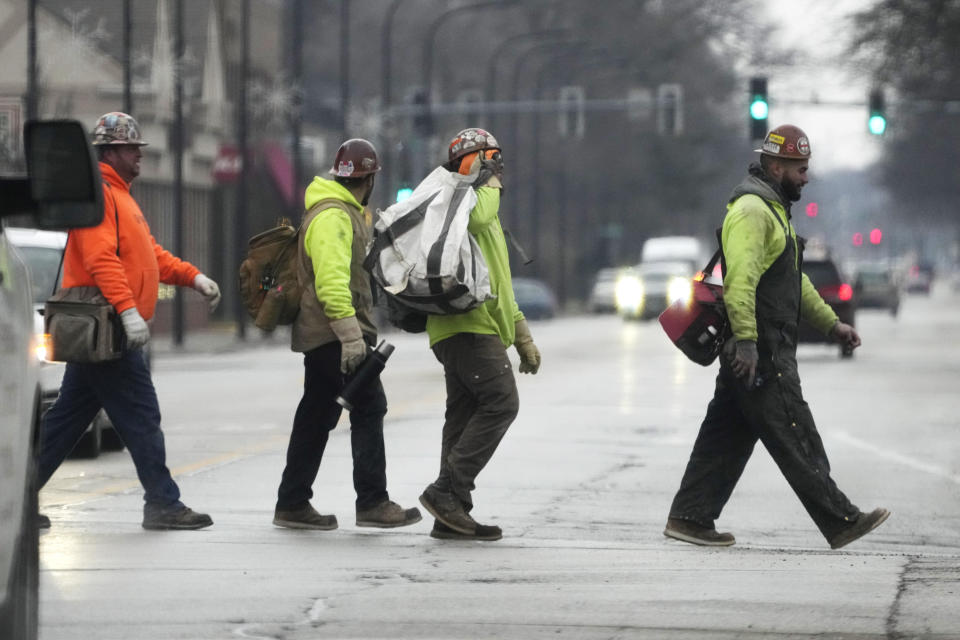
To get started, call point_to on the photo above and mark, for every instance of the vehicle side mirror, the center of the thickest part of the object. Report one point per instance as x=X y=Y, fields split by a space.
x=65 y=182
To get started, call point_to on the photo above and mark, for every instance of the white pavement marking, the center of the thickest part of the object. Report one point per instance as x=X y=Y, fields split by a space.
x=899 y=458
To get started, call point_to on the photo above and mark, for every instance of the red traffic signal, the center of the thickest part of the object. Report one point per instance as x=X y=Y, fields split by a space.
x=876 y=236
x=857 y=239
x=812 y=209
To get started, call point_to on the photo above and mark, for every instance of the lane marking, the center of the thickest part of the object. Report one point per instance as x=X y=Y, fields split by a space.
x=893 y=456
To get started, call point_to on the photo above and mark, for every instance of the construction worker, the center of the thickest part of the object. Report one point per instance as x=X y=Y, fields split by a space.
x=482 y=398
x=120 y=257
x=333 y=331
x=757 y=394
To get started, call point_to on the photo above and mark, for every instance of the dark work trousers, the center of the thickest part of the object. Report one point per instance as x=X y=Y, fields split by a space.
x=317 y=415
x=125 y=390
x=775 y=413
x=482 y=402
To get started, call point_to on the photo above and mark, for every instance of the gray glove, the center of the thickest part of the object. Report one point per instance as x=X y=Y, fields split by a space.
x=353 y=350
x=138 y=333
x=846 y=335
x=744 y=361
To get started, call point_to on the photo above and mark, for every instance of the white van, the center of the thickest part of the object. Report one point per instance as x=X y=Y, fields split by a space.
x=676 y=248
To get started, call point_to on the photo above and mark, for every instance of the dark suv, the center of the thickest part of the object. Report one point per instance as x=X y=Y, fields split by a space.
x=836 y=291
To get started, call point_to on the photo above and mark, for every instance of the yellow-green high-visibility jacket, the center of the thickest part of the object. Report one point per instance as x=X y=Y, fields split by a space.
x=752 y=240
x=499 y=315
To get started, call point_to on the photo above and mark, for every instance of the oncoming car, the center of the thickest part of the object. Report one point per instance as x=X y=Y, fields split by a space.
x=61 y=190
x=42 y=251
x=647 y=289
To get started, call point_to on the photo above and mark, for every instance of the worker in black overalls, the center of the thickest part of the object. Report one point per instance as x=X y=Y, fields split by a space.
x=757 y=394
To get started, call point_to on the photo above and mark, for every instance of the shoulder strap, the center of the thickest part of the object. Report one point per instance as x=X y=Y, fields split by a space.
x=116 y=217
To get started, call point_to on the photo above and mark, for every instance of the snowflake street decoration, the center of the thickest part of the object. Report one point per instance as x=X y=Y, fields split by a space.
x=366 y=121
x=71 y=56
x=275 y=102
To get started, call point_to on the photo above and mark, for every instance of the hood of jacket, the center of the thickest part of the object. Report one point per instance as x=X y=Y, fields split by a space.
x=322 y=189
x=758 y=184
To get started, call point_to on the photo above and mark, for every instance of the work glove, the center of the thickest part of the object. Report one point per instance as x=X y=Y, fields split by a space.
x=744 y=361
x=208 y=289
x=353 y=350
x=138 y=333
x=529 y=354
x=846 y=335
x=491 y=171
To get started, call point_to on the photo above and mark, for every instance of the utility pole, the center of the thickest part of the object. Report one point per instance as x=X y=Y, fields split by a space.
x=178 y=54
x=240 y=239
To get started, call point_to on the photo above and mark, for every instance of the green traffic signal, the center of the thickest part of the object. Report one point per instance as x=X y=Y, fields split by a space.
x=403 y=193
x=759 y=109
x=877 y=124
x=877 y=121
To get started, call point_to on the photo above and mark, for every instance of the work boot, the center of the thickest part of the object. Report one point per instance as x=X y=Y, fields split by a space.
x=482 y=532
x=866 y=523
x=690 y=531
x=157 y=518
x=43 y=522
x=306 y=517
x=445 y=507
x=387 y=514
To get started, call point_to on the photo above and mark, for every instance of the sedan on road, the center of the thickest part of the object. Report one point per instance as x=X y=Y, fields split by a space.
x=836 y=291
x=42 y=251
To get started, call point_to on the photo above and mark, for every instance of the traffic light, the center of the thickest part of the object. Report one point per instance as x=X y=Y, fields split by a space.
x=812 y=209
x=423 y=119
x=877 y=120
x=404 y=192
x=759 y=108
x=876 y=236
x=857 y=239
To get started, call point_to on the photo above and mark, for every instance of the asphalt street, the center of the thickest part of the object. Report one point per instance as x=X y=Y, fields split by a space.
x=581 y=486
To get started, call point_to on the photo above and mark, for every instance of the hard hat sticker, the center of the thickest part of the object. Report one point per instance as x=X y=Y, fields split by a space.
x=773 y=137
x=345 y=169
x=803 y=146
x=771 y=147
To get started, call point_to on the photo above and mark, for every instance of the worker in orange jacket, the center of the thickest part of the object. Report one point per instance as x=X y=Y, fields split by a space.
x=121 y=258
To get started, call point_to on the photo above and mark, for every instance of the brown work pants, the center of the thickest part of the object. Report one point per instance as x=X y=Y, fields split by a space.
x=482 y=402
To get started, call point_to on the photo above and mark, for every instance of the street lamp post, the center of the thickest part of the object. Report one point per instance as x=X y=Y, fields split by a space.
x=386 y=98
x=579 y=52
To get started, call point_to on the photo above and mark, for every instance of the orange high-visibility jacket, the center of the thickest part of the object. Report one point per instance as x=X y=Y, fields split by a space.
x=130 y=278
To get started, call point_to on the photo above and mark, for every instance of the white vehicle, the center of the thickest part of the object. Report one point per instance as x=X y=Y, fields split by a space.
x=42 y=251
x=62 y=190
x=676 y=248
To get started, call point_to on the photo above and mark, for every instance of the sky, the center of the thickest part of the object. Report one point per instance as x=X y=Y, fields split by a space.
x=838 y=134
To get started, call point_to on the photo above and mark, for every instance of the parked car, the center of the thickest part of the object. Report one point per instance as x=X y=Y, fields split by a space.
x=61 y=190
x=836 y=291
x=603 y=298
x=535 y=299
x=42 y=251
x=877 y=287
x=647 y=289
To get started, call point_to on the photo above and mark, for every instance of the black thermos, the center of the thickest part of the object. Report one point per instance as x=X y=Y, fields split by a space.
x=370 y=369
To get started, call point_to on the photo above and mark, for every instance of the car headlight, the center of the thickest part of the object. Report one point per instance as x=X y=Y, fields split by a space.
x=679 y=289
x=42 y=347
x=629 y=294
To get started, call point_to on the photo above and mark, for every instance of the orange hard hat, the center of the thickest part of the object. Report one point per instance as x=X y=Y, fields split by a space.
x=786 y=141
x=355 y=158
